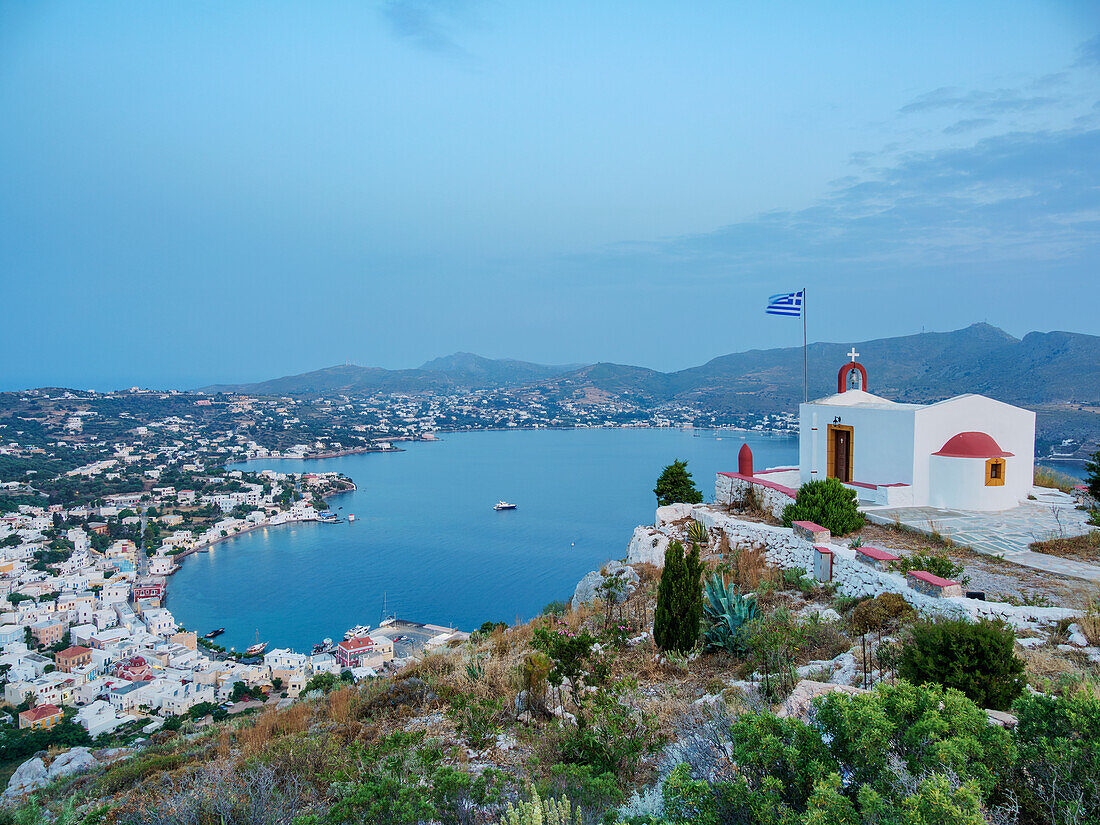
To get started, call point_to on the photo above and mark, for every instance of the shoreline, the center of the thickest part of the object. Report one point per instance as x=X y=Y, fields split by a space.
x=334 y=454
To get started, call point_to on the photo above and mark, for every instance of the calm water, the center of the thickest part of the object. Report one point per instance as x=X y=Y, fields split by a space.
x=427 y=537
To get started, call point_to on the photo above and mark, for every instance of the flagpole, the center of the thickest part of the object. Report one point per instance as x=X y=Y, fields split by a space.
x=805 y=357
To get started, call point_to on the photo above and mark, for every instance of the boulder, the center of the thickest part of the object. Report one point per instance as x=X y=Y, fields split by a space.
x=70 y=762
x=672 y=512
x=648 y=546
x=29 y=776
x=588 y=587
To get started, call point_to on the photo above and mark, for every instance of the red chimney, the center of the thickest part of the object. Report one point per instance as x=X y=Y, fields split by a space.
x=744 y=461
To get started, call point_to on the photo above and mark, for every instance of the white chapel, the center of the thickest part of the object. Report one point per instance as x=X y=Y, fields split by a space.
x=968 y=452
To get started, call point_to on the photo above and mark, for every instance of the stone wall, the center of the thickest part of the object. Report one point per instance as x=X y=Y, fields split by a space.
x=853 y=578
x=770 y=500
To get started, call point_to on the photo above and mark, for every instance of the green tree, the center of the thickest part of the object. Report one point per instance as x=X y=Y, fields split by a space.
x=674 y=486
x=826 y=502
x=975 y=658
x=679 y=611
x=1092 y=479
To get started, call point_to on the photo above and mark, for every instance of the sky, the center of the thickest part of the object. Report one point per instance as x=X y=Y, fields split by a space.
x=226 y=191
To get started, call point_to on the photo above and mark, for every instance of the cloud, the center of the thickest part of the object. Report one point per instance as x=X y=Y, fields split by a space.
x=997 y=102
x=427 y=24
x=1013 y=199
x=968 y=125
x=1088 y=53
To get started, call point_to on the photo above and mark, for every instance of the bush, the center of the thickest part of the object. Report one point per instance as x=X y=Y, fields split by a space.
x=1059 y=755
x=936 y=563
x=874 y=615
x=826 y=502
x=909 y=756
x=976 y=659
x=610 y=737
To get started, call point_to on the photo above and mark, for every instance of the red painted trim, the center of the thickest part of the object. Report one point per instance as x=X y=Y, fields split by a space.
x=776 y=470
x=771 y=485
x=876 y=553
x=825 y=551
x=842 y=376
x=862 y=484
x=924 y=575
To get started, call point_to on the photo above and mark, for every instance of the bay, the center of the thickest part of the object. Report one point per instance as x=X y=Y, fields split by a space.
x=427 y=541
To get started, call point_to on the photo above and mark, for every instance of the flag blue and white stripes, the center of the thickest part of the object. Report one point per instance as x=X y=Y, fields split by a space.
x=789 y=303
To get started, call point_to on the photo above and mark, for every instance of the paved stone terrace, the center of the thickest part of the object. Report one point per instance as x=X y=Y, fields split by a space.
x=1007 y=533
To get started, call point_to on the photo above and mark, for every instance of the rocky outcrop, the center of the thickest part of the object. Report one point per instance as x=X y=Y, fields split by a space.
x=30 y=776
x=647 y=546
x=588 y=589
x=74 y=761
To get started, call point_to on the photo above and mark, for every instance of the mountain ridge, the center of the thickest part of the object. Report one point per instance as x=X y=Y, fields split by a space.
x=1056 y=367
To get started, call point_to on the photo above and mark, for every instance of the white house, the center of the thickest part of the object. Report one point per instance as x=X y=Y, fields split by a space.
x=99 y=717
x=968 y=452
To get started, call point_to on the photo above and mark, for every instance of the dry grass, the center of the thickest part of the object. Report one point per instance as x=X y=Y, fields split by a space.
x=343 y=705
x=1084 y=548
x=1045 y=663
x=1046 y=477
x=273 y=723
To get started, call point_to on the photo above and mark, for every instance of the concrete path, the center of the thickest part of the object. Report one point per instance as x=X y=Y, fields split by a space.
x=1007 y=533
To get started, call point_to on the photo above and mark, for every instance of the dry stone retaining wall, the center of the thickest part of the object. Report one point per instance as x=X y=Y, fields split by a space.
x=853 y=578
x=772 y=501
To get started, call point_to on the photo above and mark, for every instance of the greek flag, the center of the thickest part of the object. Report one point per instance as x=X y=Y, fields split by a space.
x=789 y=303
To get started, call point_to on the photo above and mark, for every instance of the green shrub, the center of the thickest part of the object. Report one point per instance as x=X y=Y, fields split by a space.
x=874 y=615
x=591 y=792
x=932 y=729
x=477 y=719
x=679 y=611
x=609 y=737
x=974 y=658
x=1059 y=755
x=938 y=563
x=826 y=502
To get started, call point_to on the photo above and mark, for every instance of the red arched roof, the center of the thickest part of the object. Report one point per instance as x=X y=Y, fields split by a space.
x=972 y=445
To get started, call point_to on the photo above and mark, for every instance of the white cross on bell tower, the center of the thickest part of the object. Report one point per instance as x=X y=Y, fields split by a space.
x=853 y=355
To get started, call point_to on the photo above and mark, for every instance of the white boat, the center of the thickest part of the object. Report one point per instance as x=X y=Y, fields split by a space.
x=504 y=505
x=357 y=631
x=351 y=516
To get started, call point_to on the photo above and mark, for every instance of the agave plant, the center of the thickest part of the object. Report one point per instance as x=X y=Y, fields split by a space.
x=475 y=669
x=726 y=614
x=698 y=533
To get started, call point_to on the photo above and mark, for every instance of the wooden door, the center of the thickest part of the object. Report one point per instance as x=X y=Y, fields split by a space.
x=840 y=453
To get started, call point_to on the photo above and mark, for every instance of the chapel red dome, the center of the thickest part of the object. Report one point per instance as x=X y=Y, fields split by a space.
x=972 y=445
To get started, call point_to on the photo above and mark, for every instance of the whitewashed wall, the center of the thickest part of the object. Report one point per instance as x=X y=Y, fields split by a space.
x=772 y=501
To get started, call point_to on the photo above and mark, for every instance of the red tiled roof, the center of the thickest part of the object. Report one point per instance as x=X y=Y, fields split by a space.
x=74 y=651
x=358 y=643
x=39 y=713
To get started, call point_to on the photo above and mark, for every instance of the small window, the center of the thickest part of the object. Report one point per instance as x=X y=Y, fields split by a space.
x=995 y=472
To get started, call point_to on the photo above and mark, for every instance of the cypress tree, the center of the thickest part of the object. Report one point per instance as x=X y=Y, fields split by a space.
x=679 y=600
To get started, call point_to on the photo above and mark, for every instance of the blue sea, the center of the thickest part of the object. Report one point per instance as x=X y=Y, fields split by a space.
x=427 y=541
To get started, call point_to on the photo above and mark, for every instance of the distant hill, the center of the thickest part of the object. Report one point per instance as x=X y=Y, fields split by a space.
x=474 y=370
x=1041 y=369
x=461 y=371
